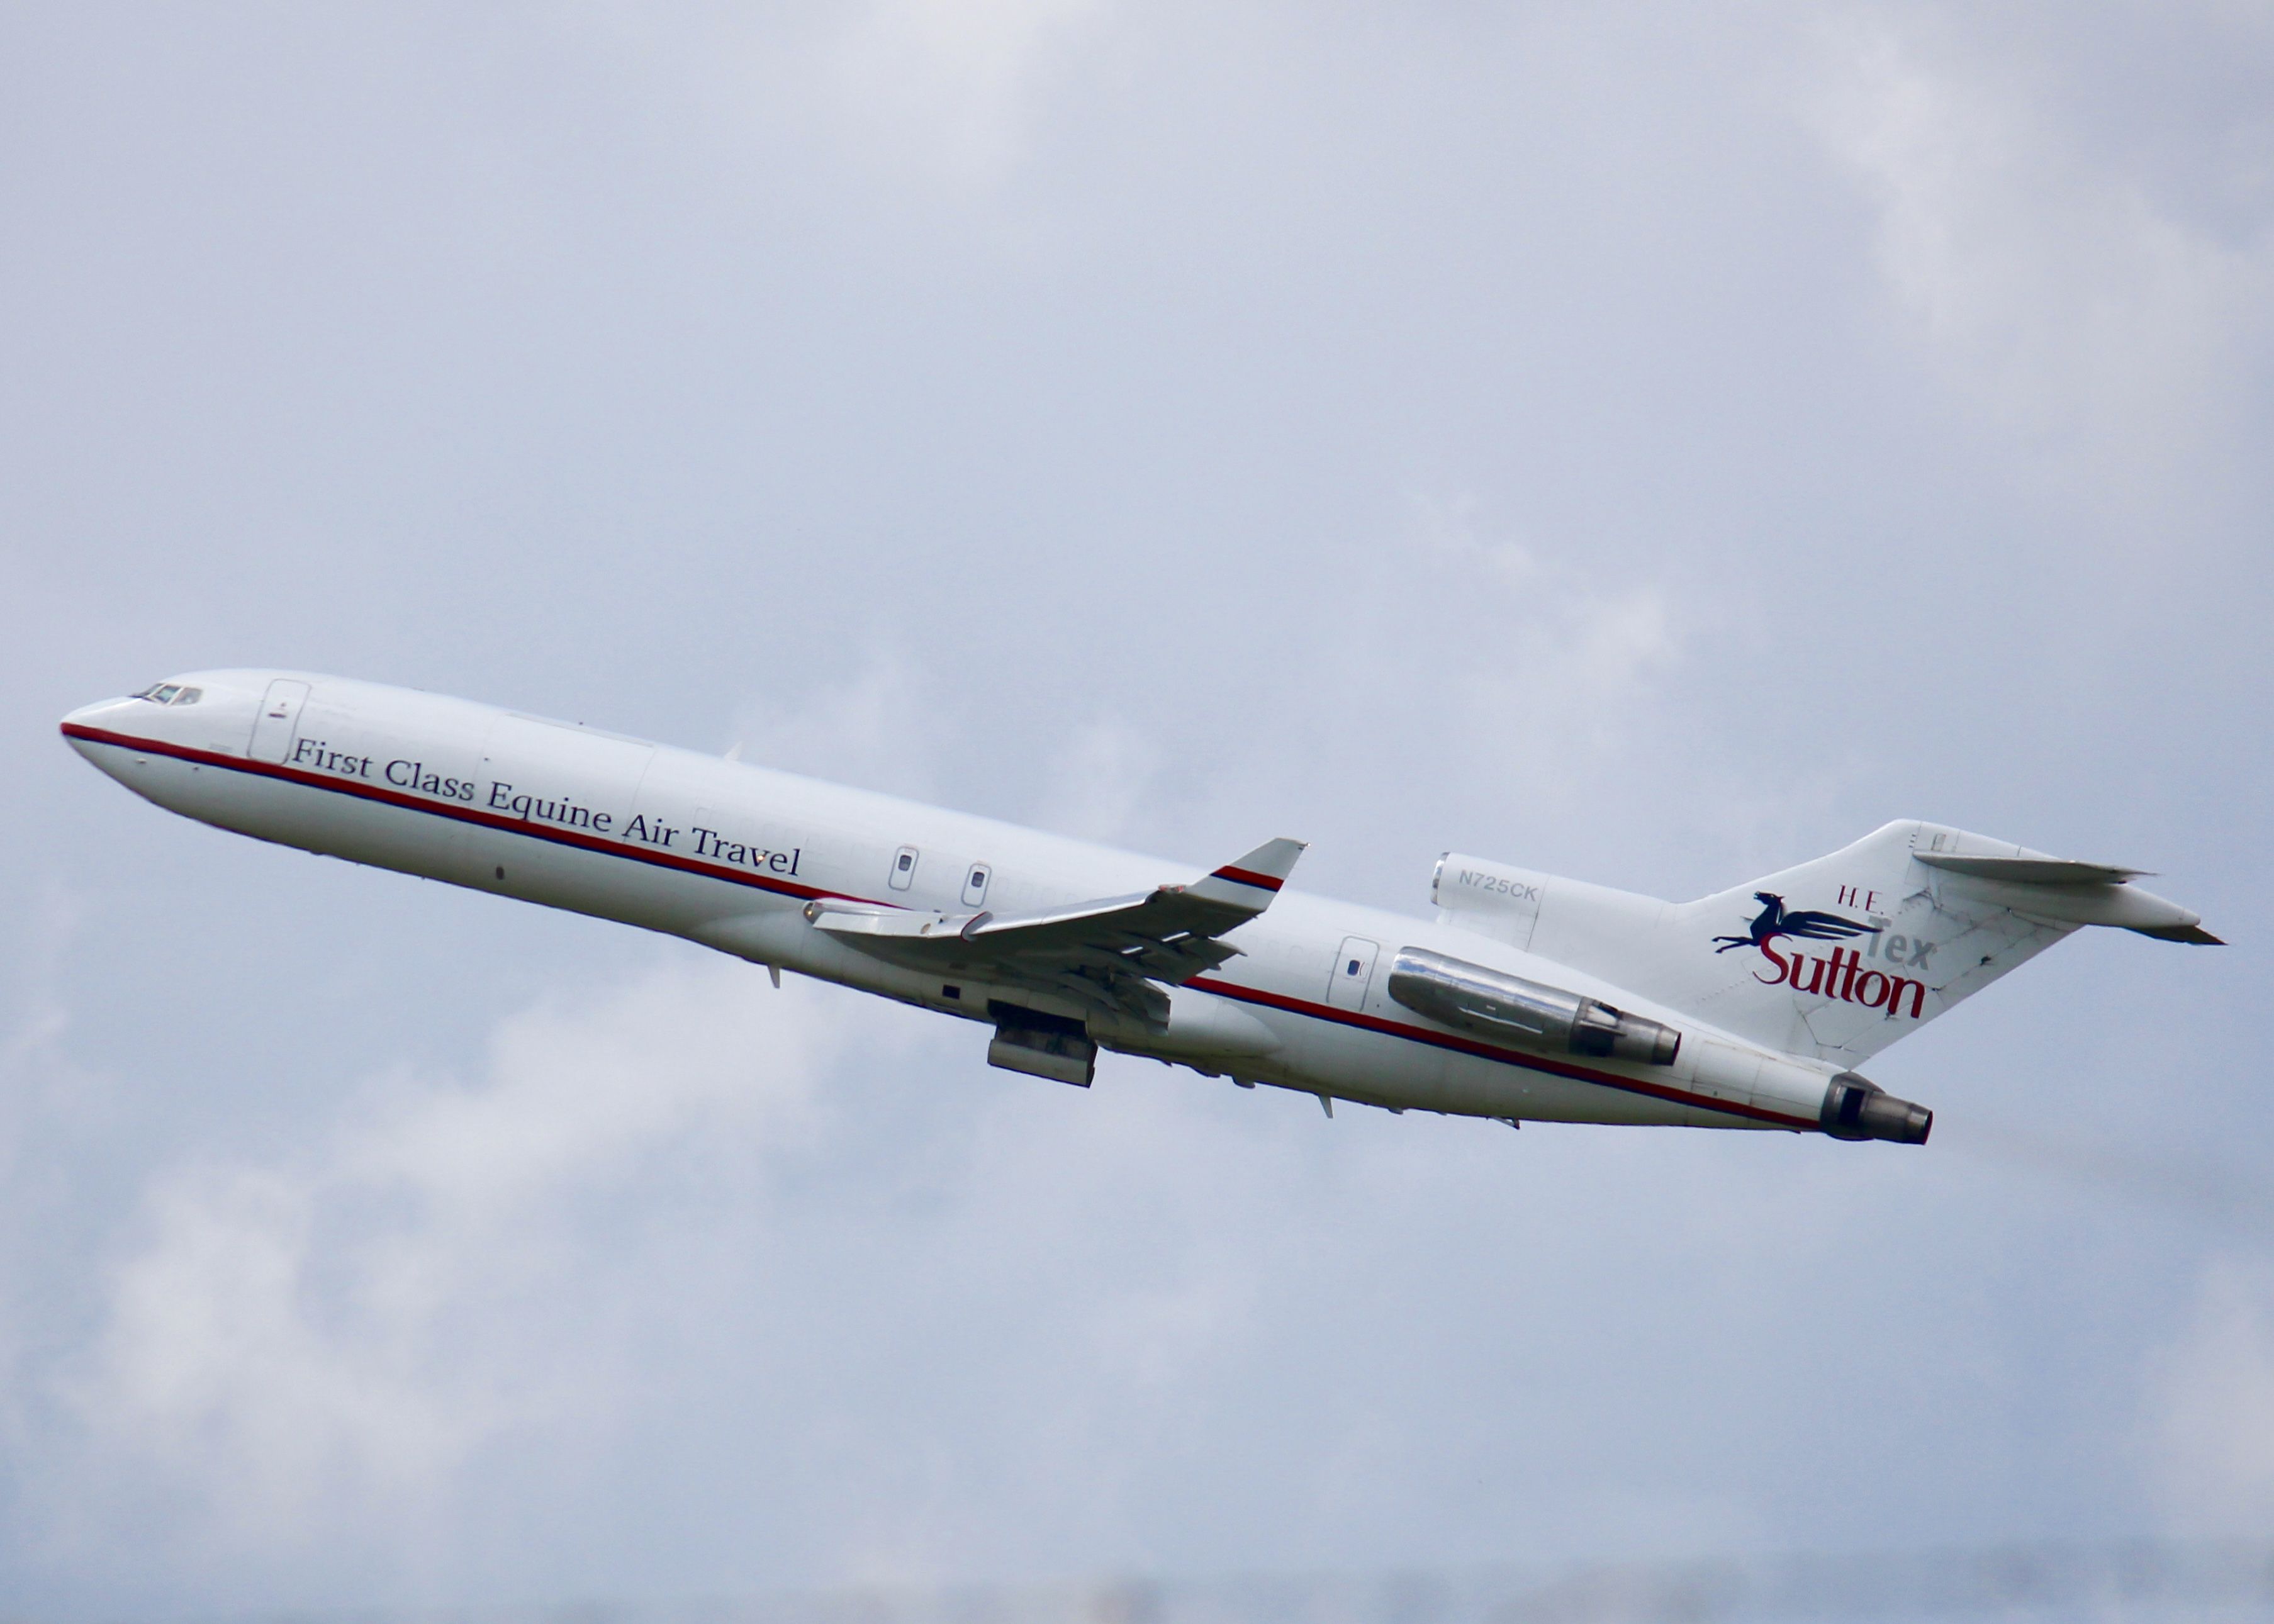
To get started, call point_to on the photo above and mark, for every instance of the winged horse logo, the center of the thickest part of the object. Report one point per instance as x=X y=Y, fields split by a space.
x=1773 y=922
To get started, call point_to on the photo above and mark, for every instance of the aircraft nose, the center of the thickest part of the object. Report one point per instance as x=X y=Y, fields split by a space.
x=88 y=715
x=98 y=717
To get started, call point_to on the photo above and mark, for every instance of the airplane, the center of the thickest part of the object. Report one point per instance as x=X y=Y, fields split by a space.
x=1528 y=997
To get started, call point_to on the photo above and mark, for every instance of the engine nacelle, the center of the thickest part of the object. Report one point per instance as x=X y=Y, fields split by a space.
x=1508 y=1009
x=1857 y=1108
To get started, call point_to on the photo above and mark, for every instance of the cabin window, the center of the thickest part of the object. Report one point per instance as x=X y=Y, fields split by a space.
x=975 y=885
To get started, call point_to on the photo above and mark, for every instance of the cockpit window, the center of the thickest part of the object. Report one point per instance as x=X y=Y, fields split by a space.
x=172 y=694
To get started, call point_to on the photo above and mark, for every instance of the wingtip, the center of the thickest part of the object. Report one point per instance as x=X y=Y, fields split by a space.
x=1269 y=865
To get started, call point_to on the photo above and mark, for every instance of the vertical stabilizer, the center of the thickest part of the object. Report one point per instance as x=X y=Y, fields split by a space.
x=1837 y=957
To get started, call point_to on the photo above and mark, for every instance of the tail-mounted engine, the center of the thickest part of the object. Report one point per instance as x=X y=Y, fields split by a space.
x=1856 y=1109
x=1506 y=1008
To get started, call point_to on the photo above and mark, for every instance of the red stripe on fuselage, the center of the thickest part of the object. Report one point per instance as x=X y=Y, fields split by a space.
x=1234 y=990
x=1487 y=1051
x=478 y=817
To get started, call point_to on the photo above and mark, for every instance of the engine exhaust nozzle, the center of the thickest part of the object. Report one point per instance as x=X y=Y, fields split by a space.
x=1857 y=1108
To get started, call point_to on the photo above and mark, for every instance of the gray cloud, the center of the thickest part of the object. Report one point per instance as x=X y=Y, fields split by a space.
x=1651 y=448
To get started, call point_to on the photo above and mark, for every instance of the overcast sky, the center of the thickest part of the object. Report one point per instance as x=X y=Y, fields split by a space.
x=1652 y=444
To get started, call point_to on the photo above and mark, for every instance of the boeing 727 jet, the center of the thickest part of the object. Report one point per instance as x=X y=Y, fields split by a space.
x=1527 y=997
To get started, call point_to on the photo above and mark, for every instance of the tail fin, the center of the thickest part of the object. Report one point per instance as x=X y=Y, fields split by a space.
x=1835 y=958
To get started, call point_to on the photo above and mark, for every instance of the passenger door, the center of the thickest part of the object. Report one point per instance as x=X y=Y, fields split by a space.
x=278 y=721
x=1353 y=974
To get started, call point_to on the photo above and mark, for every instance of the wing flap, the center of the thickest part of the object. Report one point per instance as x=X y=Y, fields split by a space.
x=1112 y=955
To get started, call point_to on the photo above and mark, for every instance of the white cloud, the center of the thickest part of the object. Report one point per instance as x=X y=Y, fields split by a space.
x=1104 y=777
x=33 y=1057
x=884 y=727
x=2054 y=288
x=341 y=1327
x=1583 y=673
x=949 y=86
x=1563 y=670
x=682 y=396
x=2211 y=1408
x=946 y=91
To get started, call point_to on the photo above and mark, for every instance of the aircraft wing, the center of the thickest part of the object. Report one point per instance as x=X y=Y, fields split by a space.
x=1104 y=956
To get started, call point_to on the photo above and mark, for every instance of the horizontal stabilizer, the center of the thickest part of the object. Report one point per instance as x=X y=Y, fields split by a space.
x=2075 y=893
x=2030 y=870
x=2194 y=933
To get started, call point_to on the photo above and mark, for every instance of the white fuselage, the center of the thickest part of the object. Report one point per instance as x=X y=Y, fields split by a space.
x=728 y=854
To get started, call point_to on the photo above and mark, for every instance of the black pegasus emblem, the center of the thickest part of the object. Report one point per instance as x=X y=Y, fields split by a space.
x=1773 y=922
